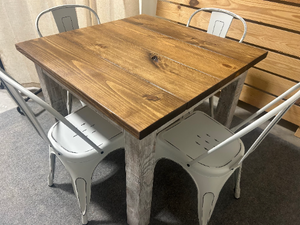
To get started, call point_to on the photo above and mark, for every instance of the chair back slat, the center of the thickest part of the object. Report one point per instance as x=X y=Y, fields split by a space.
x=220 y=21
x=65 y=17
x=263 y=109
x=219 y=24
x=265 y=132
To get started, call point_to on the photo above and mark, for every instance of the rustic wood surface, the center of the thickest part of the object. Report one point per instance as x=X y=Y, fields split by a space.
x=272 y=13
x=296 y=2
x=194 y=37
x=138 y=75
x=272 y=25
x=228 y=101
x=282 y=65
x=274 y=85
x=267 y=37
x=279 y=40
x=141 y=73
x=140 y=163
x=54 y=96
x=252 y=94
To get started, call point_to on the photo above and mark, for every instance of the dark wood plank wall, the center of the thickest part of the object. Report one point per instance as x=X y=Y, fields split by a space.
x=272 y=25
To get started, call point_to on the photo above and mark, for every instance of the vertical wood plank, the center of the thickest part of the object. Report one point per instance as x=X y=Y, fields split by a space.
x=140 y=163
x=53 y=93
x=228 y=100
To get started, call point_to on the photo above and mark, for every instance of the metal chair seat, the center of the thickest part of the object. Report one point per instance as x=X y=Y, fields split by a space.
x=80 y=141
x=211 y=153
x=94 y=127
x=195 y=135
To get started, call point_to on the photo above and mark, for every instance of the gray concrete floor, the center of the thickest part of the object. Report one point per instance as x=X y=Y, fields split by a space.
x=284 y=129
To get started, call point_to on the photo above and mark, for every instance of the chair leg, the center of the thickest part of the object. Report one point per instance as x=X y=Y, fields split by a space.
x=208 y=193
x=69 y=102
x=206 y=203
x=81 y=179
x=82 y=189
x=237 y=189
x=52 y=157
x=211 y=106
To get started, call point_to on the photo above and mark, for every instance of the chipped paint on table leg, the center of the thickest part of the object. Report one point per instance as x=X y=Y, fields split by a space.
x=228 y=100
x=140 y=163
x=53 y=92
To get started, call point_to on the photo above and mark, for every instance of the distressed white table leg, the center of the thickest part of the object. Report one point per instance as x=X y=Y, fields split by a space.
x=140 y=163
x=53 y=93
x=228 y=100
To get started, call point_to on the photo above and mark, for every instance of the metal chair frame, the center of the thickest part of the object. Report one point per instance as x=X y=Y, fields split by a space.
x=80 y=140
x=65 y=17
x=219 y=24
x=218 y=16
x=186 y=142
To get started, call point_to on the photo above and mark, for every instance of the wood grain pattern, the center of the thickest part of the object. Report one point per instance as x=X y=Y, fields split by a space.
x=250 y=94
x=292 y=2
x=268 y=82
x=55 y=96
x=136 y=76
x=190 y=55
x=229 y=101
x=140 y=163
x=283 y=59
x=141 y=79
x=264 y=36
x=156 y=68
x=282 y=65
x=194 y=37
x=102 y=84
x=272 y=13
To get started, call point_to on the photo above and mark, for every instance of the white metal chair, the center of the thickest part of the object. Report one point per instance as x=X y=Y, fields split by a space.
x=65 y=17
x=211 y=153
x=80 y=140
x=219 y=24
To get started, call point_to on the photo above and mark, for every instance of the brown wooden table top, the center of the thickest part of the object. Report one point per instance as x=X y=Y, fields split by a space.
x=141 y=71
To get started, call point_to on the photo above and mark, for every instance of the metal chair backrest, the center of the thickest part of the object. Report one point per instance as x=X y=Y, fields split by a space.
x=65 y=17
x=220 y=21
x=15 y=94
x=277 y=113
x=14 y=89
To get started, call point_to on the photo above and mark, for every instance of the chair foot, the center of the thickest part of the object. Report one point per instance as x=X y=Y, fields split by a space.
x=50 y=182
x=237 y=194
x=52 y=157
x=82 y=188
x=84 y=219
x=237 y=188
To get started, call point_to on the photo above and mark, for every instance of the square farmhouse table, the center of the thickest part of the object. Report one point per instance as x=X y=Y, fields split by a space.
x=141 y=73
